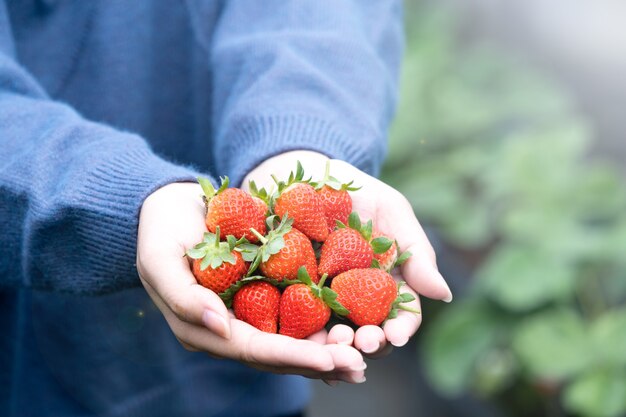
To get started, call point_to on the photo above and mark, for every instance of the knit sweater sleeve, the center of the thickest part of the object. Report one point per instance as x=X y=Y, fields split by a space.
x=70 y=189
x=304 y=74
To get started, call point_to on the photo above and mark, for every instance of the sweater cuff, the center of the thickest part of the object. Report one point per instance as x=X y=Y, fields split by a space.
x=101 y=230
x=253 y=140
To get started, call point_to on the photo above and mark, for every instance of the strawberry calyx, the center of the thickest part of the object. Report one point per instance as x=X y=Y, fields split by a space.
x=209 y=190
x=228 y=295
x=328 y=296
x=261 y=193
x=399 y=301
x=401 y=259
x=213 y=252
x=404 y=256
x=379 y=245
x=271 y=243
x=332 y=182
x=294 y=178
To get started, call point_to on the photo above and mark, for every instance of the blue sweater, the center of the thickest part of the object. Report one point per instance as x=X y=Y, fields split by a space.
x=104 y=101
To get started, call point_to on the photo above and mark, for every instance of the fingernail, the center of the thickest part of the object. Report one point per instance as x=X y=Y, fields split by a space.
x=400 y=343
x=360 y=380
x=216 y=323
x=359 y=368
x=444 y=284
x=331 y=382
x=370 y=347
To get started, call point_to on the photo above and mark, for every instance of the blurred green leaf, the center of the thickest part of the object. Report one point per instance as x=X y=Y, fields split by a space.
x=553 y=345
x=521 y=278
x=457 y=340
x=608 y=335
x=494 y=155
x=598 y=393
x=495 y=371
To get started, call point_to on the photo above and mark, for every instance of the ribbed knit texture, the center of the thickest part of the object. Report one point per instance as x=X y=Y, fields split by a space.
x=104 y=101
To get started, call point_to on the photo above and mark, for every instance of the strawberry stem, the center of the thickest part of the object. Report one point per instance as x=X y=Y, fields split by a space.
x=322 y=280
x=327 y=171
x=262 y=238
x=217 y=236
x=409 y=309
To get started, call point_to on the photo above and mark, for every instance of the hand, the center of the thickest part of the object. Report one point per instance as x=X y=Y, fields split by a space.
x=392 y=215
x=170 y=222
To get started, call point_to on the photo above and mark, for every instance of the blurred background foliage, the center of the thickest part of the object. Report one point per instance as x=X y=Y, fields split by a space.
x=495 y=159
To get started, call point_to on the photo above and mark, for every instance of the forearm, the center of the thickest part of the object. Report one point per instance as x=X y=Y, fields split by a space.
x=70 y=191
x=299 y=75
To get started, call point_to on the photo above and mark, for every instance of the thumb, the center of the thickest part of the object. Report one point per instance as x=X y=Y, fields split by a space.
x=170 y=277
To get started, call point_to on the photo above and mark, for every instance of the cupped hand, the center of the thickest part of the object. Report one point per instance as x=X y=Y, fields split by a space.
x=393 y=216
x=170 y=222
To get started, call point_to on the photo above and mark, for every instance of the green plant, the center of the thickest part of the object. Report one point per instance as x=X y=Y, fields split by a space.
x=494 y=156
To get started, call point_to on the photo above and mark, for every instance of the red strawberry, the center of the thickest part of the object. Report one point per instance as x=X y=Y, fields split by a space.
x=301 y=202
x=344 y=249
x=257 y=304
x=386 y=260
x=304 y=308
x=301 y=312
x=216 y=265
x=370 y=295
x=334 y=195
x=391 y=258
x=282 y=252
x=260 y=197
x=337 y=205
x=233 y=210
x=297 y=252
x=350 y=247
x=298 y=199
x=261 y=205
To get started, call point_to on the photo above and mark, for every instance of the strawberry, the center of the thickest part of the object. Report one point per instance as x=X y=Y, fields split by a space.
x=305 y=308
x=297 y=252
x=370 y=295
x=350 y=247
x=389 y=260
x=386 y=260
x=335 y=198
x=232 y=209
x=217 y=265
x=282 y=252
x=261 y=206
x=344 y=249
x=298 y=199
x=261 y=197
x=257 y=304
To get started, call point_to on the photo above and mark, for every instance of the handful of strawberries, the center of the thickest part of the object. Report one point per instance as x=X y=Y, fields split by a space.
x=271 y=255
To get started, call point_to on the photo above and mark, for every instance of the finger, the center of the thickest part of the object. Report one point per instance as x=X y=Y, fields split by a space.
x=340 y=334
x=319 y=337
x=334 y=378
x=254 y=347
x=399 y=330
x=349 y=366
x=369 y=339
x=170 y=277
x=426 y=279
x=382 y=352
x=420 y=270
